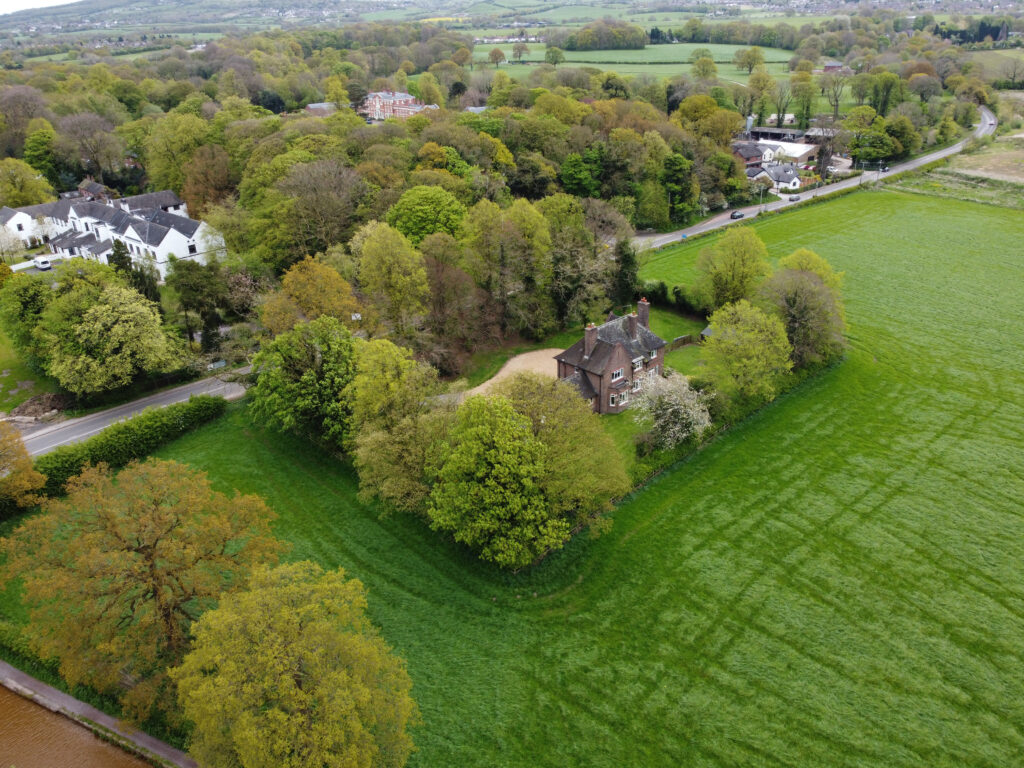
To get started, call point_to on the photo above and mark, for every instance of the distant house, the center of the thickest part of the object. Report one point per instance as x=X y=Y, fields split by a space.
x=153 y=226
x=783 y=177
x=610 y=363
x=380 y=105
x=832 y=66
x=751 y=154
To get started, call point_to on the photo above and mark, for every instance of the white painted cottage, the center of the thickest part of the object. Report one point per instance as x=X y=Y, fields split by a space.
x=154 y=227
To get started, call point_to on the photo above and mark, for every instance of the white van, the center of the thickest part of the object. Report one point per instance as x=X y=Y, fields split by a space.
x=41 y=263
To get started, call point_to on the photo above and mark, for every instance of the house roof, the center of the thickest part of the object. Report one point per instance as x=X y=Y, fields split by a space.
x=581 y=382
x=748 y=151
x=162 y=199
x=182 y=224
x=6 y=214
x=782 y=174
x=609 y=336
x=390 y=95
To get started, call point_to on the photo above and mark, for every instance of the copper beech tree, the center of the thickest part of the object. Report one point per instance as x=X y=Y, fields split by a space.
x=116 y=572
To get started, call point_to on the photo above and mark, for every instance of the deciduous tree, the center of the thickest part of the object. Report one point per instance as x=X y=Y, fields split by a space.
x=301 y=377
x=310 y=289
x=811 y=314
x=487 y=491
x=393 y=274
x=289 y=672
x=101 y=339
x=19 y=481
x=672 y=409
x=423 y=210
x=731 y=268
x=746 y=355
x=21 y=184
x=116 y=572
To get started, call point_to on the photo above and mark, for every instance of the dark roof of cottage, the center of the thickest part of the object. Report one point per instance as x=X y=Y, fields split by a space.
x=74 y=239
x=581 y=382
x=181 y=224
x=6 y=214
x=747 y=151
x=102 y=247
x=610 y=335
x=115 y=217
x=783 y=174
x=163 y=199
x=148 y=232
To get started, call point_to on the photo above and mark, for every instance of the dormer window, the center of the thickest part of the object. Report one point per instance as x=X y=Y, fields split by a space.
x=654 y=353
x=638 y=364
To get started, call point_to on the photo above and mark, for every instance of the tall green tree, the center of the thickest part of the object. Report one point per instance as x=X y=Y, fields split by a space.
x=389 y=385
x=582 y=471
x=811 y=313
x=301 y=377
x=730 y=269
x=392 y=273
x=39 y=153
x=169 y=147
x=487 y=492
x=746 y=355
x=21 y=184
x=100 y=338
x=202 y=290
x=116 y=572
x=423 y=210
x=290 y=673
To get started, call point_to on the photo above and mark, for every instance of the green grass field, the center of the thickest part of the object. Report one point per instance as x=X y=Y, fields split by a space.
x=839 y=581
x=656 y=60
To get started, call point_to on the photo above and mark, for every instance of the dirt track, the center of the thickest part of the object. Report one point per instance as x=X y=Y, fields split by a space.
x=539 y=361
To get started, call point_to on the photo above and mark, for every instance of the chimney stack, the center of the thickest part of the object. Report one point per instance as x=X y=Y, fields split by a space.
x=631 y=320
x=643 y=309
x=589 y=339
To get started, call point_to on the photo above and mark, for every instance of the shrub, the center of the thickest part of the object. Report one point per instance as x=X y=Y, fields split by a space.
x=124 y=441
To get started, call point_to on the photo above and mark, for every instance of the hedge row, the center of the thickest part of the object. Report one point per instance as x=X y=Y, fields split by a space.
x=124 y=441
x=917 y=171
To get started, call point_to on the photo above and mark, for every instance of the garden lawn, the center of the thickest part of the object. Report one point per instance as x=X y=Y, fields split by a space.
x=839 y=581
x=685 y=360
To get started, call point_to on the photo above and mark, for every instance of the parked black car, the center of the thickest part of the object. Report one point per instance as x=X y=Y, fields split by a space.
x=737 y=215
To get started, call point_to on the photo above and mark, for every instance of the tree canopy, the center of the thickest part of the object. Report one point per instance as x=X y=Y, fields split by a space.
x=289 y=673
x=116 y=572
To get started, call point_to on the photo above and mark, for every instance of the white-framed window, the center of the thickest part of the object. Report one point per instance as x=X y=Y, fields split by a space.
x=613 y=400
x=654 y=353
x=637 y=383
x=638 y=364
x=21 y=227
x=623 y=398
x=617 y=374
x=191 y=248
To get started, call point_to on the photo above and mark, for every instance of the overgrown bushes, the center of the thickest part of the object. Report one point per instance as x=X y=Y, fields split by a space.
x=126 y=440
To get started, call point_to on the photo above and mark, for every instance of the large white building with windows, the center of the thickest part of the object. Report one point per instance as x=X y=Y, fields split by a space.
x=154 y=227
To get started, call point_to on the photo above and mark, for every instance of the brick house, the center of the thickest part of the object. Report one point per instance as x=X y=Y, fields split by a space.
x=380 y=105
x=611 y=361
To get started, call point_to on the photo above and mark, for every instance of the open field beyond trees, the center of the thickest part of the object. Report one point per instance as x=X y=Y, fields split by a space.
x=838 y=581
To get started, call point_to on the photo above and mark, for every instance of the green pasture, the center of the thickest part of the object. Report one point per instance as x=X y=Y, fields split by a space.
x=656 y=60
x=839 y=581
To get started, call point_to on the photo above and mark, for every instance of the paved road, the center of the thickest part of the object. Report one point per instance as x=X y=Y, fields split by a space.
x=62 y=703
x=75 y=430
x=986 y=127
